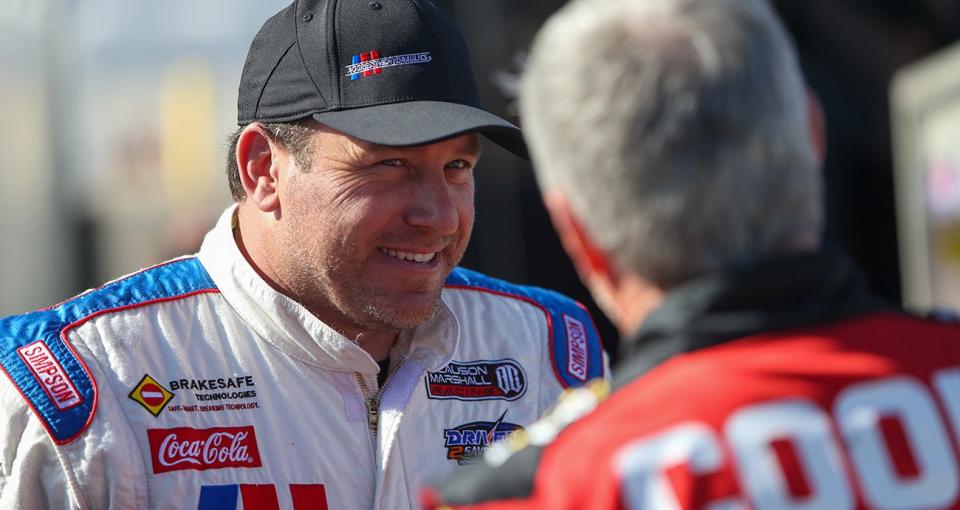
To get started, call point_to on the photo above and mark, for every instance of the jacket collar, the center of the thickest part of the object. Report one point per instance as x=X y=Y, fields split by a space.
x=288 y=326
x=778 y=293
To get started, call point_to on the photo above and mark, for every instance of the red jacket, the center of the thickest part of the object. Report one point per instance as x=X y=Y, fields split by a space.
x=859 y=408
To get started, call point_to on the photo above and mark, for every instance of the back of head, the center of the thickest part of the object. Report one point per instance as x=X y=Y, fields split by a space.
x=678 y=129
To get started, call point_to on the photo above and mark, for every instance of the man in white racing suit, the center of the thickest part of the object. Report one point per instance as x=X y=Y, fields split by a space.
x=321 y=350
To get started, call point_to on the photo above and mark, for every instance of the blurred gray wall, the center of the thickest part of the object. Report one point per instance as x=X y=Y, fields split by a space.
x=112 y=121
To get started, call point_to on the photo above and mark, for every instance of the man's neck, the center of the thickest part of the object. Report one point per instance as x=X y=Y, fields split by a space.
x=377 y=344
x=634 y=300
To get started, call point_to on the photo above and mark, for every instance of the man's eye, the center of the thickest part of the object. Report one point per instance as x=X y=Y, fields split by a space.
x=391 y=162
x=459 y=164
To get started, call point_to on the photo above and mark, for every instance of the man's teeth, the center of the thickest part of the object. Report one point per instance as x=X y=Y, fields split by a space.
x=411 y=257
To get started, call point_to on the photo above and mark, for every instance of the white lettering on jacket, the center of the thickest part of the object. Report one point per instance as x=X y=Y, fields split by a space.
x=918 y=470
x=51 y=375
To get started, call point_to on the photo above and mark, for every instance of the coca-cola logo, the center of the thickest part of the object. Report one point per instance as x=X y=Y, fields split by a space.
x=200 y=449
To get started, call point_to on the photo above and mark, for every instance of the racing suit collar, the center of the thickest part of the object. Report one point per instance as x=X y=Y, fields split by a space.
x=290 y=327
x=778 y=293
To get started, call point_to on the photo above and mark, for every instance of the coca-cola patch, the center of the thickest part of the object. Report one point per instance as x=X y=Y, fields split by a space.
x=200 y=449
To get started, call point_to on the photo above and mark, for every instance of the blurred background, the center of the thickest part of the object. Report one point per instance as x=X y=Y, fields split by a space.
x=114 y=114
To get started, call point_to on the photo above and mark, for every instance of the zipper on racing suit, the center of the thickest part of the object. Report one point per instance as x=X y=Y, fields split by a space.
x=373 y=402
x=373 y=421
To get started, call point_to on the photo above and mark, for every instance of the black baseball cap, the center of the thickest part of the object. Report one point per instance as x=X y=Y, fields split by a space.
x=391 y=72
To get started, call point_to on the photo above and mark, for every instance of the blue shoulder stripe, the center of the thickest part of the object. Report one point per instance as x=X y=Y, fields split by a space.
x=575 y=346
x=36 y=356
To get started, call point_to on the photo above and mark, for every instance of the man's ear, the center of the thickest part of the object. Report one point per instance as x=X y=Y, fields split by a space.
x=591 y=263
x=625 y=297
x=818 y=127
x=257 y=160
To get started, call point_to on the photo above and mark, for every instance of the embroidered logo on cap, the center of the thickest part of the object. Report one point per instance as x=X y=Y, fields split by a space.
x=370 y=63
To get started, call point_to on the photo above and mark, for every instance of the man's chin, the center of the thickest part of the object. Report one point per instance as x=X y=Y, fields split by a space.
x=408 y=313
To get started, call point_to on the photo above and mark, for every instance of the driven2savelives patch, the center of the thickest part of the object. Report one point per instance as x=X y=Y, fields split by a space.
x=466 y=443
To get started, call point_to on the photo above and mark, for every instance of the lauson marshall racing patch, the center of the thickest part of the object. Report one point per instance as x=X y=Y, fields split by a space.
x=502 y=379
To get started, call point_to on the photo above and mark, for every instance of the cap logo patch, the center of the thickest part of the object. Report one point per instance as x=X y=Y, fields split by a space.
x=370 y=63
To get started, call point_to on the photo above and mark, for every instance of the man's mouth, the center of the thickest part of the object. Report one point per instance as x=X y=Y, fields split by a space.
x=420 y=258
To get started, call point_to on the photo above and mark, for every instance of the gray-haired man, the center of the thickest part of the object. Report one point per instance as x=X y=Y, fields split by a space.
x=679 y=156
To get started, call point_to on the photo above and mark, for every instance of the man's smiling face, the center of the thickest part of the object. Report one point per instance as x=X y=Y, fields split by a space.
x=369 y=233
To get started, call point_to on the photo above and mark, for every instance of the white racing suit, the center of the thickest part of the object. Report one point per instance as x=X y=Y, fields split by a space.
x=194 y=384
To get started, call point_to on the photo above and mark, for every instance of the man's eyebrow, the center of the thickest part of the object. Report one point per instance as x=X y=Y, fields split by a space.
x=474 y=147
x=365 y=145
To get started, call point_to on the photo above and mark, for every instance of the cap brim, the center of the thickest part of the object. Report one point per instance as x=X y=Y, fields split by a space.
x=422 y=122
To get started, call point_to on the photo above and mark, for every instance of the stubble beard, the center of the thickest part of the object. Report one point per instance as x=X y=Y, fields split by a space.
x=336 y=291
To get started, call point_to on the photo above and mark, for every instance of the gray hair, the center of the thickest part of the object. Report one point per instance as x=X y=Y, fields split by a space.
x=678 y=129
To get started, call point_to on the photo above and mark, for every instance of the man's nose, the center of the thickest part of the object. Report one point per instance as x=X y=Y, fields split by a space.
x=434 y=204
